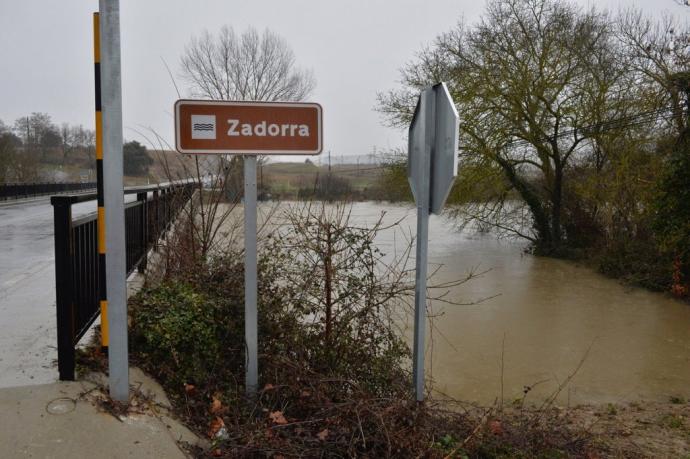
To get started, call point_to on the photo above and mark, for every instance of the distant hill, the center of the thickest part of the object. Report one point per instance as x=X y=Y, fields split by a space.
x=293 y=180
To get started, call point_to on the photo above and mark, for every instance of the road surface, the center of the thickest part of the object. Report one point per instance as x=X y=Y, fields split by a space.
x=28 y=334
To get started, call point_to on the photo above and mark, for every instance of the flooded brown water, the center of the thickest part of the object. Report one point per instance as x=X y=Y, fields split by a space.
x=551 y=314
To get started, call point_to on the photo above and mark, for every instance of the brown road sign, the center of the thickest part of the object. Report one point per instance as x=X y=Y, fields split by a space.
x=265 y=128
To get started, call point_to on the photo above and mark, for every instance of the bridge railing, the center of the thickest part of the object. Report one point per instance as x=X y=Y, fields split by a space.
x=26 y=190
x=77 y=273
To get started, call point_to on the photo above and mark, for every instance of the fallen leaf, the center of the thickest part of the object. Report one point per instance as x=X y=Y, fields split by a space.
x=322 y=435
x=216 y=406
x=496 y=427
x=215 y=426
x=277 y=417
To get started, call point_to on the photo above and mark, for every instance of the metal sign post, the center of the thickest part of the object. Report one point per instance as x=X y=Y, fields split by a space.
x=250 y=276
x=431 y=170
x=248 y=128
x=113 y=190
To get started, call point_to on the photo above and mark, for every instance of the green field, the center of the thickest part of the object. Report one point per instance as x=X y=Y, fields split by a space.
x=289 y=178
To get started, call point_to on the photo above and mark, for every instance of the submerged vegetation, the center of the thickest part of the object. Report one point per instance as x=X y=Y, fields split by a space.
x=335 y=377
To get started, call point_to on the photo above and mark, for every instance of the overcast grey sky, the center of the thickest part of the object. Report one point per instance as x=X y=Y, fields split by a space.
x=354 y=48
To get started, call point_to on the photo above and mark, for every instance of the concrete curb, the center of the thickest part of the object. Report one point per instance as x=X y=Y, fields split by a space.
x=64 y=420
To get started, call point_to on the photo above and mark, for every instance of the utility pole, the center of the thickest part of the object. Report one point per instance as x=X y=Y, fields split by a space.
x=113 y=190
x=328 y=182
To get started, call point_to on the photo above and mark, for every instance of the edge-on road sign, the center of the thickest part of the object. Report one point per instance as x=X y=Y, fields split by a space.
x=433 y=143
x=265 y=128
x=432 y=166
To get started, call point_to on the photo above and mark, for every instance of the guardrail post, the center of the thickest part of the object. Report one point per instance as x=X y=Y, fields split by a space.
x=143 y=236
x=156 y=218
x=70 y=308
x=64 y=250
x=166 y=209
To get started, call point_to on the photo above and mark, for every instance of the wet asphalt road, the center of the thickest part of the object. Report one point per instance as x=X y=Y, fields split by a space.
x=27 y=291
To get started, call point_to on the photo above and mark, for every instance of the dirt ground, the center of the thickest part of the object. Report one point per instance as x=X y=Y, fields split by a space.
x=637 y=430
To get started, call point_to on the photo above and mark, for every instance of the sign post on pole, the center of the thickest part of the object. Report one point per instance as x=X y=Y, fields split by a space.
x=113 y=191
x=250 y=276
x=432 y=166
x=249 y=129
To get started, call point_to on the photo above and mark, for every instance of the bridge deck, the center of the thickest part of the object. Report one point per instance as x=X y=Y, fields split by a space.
x=27 y=291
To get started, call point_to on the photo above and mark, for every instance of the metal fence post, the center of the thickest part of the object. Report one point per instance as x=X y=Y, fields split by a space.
x=166 y=211
x=160 y=215
x=64 y=250
x=143 y=237
x=77 y=270
x=156 y=219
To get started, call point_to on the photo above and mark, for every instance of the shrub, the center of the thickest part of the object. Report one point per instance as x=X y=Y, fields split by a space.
x=334 y=367
x=184 y=333
x=672 y=214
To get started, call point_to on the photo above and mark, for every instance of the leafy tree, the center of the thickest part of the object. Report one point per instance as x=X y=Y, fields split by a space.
x=7 y=152
x=393 y=184
x=672 y=213
x=543 y=88
x=672 y=202
x=136 y=159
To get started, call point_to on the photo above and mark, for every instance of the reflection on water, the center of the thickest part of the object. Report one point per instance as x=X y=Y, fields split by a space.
x=550 y=313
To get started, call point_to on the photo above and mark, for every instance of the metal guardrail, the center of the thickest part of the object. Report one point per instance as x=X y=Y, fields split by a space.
x=76 y=255
x=26 y=190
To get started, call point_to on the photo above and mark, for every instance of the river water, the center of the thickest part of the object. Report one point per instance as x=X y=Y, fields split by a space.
x=545 y=318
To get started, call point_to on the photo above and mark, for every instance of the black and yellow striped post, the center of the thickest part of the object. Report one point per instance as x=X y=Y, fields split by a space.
x=99 y=187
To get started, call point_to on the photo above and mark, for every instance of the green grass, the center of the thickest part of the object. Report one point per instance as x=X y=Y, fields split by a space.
x=287 y=177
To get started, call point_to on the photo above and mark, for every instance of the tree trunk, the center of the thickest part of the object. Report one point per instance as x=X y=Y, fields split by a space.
x=529 y=195
x=556 y=210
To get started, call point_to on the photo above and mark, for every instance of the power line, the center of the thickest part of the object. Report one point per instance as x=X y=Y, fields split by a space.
x=604 y=126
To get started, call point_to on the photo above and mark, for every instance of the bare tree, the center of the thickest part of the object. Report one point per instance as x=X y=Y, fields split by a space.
x=67 y=140
x=228 y=66
x=249 y=66
x=659 y=53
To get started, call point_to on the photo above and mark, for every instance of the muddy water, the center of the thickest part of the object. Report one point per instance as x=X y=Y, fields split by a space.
x=551 y=314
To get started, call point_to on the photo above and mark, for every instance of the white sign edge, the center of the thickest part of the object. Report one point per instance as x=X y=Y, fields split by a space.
x=183 y=151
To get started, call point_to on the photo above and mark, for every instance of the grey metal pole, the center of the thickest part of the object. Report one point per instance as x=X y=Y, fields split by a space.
x=423 y=204
x=113 y=190
x=250 y=276
x=420 y=299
